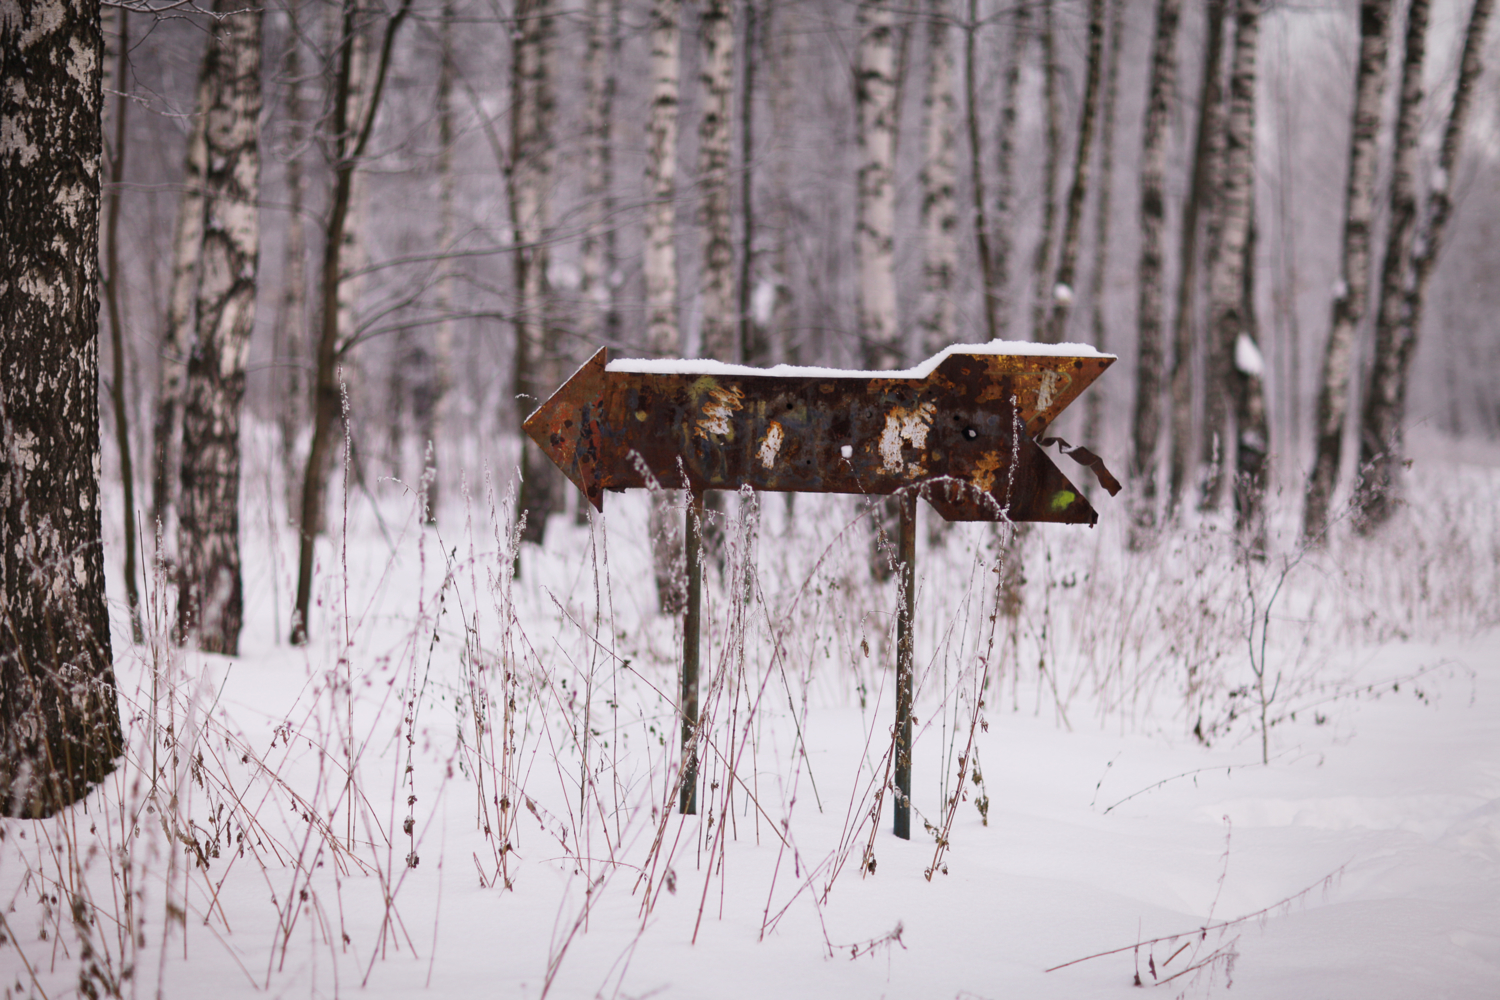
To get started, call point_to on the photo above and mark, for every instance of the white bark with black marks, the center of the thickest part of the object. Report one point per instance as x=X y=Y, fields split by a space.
x=59 y=722
x=663 y=333
x=177 y=334
x=1146 y=425
x=599 y=319
x=998 y=292
x=1382 y=434
x=1352 y=294
x=875 y=203
x=537 y=364
x=1227 y=317
x=1099 y=329
x=939 y=217
x=719 y=330
x=1041 y=258
x=1067 y=261
x=1186 y=326
x=210 y=590
x=663 y=336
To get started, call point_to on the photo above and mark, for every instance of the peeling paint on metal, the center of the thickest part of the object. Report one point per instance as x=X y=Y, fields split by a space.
x=908 y=424
x=718 y=412
x=771 y=445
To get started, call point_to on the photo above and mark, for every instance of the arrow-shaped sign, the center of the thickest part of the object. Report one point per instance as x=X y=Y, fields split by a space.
x=960 y=426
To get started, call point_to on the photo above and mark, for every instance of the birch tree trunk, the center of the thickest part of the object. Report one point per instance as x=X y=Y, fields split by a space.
x=597 y=260
x=348 y=139
x=111 y=283
x=1200 y=192
x=781 y=48
x=1146 y=426
x=1041 y=261
x=59 y=722
x=292 y=321
x=430 y=404
x=1226 y=283
x=1352 y=292
x=1093 y=414
x=1250 y=411
x=663 y=334
x=755 y=341
x=939 y=219
x=1067 y=263
x=998 y=292
x=176 y=341
x=875 y=206
x=1440 y=198
x=532 y=74
x=720 y=326
x=210 y=592
x=353 y=255
x=1380 y=432
x=1218 y=360
x=1382 y=437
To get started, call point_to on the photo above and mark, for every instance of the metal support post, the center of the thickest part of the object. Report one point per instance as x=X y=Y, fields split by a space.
x=691 y=620
x=907 y=575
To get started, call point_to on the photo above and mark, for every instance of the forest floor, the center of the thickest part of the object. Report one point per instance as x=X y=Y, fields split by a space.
x=465 y=784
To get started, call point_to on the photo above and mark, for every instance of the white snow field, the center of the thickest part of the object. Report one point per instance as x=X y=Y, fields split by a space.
x=465 y=785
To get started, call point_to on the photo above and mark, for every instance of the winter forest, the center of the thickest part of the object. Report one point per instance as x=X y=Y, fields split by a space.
x=319 y=678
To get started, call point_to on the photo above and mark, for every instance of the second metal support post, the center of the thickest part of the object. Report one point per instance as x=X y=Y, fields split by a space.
x=693 y=544
x=907 y=576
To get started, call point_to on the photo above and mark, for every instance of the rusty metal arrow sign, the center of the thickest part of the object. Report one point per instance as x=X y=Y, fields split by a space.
x=958 y=429
x=961 y=427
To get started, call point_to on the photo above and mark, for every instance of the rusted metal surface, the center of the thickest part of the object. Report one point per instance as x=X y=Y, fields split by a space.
x=963 y=434
x=687 y=802
x=905 y=657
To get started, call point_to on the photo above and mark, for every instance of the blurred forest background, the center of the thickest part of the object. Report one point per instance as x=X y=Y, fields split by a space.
x=457 y=201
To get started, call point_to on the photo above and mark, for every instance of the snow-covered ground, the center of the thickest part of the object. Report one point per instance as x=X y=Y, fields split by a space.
x=525 y=727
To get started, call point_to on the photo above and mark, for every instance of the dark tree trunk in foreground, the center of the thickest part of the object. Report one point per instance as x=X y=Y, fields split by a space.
x=1148 y=385
x=112 y=294
x=59 y=722
x=1200 y=193
x=351 y=133
x=1382 y=439
x=210 y=592
x=1067 y=262
x=1354 y=288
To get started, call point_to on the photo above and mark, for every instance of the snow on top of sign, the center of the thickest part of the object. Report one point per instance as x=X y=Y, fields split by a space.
x=708 y=366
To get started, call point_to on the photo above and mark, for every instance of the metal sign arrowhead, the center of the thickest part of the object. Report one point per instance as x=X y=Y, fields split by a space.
x=566 y=426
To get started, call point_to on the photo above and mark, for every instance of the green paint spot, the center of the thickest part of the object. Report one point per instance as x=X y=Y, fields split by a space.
x=1062 y=500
